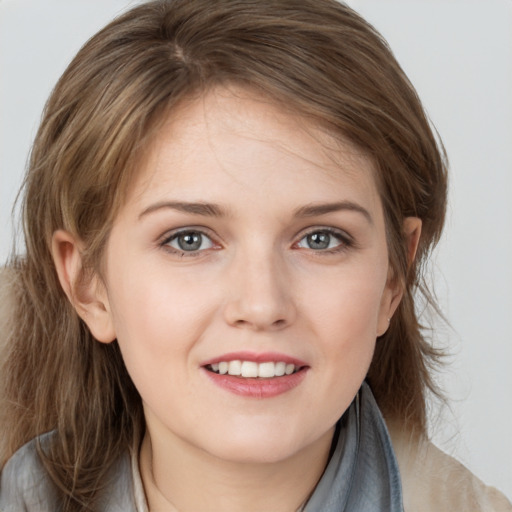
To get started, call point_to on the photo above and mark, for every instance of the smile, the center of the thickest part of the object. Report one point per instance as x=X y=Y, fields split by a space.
x=251 y=369
x=256 y=375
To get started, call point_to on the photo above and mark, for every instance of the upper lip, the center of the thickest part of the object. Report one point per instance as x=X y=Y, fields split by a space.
x=263 y=357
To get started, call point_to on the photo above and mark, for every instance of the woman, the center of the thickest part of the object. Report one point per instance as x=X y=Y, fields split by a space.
x=226 y=213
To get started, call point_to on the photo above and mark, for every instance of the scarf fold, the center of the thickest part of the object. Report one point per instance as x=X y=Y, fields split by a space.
x=362 y=474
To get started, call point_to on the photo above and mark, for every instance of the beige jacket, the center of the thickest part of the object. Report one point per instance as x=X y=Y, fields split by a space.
x=431 y=480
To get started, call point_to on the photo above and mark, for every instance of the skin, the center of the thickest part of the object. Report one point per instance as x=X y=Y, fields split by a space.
x=255 y=284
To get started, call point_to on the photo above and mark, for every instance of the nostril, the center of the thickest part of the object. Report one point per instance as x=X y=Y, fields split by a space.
x=277 y=324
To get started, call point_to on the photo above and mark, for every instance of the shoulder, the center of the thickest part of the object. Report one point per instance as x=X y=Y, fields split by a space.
x=432 y=481
x=26 y=487
x=24 y=484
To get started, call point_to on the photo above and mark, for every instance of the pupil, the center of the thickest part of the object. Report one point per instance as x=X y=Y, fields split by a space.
x=319 y=240
x=190 y=241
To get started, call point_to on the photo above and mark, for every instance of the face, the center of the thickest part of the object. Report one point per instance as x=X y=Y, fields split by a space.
x=246 y=279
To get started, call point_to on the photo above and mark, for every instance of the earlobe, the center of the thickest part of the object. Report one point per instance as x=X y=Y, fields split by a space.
x=390 y=300
x=87 y=294
x=394 y=288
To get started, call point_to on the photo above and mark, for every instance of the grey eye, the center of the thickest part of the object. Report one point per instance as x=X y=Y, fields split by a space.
x=189 y=241
x=320 y=240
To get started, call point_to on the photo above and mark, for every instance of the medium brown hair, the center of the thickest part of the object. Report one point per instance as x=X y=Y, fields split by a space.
x=315 y=56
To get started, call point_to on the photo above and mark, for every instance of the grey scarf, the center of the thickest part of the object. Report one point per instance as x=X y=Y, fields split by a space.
x=361 y=476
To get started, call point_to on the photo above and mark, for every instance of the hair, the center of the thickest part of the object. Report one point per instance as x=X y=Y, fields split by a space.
x=315 y=56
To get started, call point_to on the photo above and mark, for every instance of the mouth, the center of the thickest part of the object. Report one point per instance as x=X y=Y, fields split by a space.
x=252 y=369
x=256 y=375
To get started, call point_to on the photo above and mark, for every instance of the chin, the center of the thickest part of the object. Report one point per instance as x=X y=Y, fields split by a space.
x=256 y=453
x=263 y=444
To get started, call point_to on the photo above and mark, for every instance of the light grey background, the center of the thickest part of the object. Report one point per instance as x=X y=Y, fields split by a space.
x=458 y=53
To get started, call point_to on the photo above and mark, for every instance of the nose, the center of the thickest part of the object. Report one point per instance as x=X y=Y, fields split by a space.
x=260 y=296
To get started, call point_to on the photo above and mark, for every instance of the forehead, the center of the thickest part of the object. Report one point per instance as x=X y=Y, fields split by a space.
x=233 y=134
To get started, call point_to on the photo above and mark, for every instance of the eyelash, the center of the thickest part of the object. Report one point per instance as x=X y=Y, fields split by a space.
x=165 y=243
x=345 y=241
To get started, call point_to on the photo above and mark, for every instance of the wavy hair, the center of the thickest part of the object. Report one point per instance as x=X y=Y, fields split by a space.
x=315 y=56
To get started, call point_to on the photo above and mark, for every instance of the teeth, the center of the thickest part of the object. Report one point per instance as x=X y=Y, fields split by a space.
x=289 y=369
x=235 y=368
x=280 y=369
x=250 y=369
x=266 y=370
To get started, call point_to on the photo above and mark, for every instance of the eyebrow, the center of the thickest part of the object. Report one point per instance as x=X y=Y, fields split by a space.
x=214 y=210
x=204 y=209
x=315 y=210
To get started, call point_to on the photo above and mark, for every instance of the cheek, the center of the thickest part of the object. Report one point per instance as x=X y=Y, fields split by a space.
x=345 y=320
x=348 y=304
x=156 y=331
x=158 y=317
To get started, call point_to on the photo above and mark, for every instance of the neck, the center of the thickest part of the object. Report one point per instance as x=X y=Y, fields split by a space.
x=187 y=479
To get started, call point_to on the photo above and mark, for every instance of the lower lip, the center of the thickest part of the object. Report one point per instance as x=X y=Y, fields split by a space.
x=257 y=387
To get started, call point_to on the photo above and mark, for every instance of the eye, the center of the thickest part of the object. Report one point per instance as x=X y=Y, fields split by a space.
x=189 y=241
x=324 y=240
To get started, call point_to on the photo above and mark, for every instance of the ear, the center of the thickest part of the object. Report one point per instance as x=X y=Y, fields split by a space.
x=86 y=293
x=394 y=287
x=412 y=233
